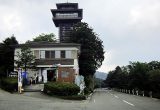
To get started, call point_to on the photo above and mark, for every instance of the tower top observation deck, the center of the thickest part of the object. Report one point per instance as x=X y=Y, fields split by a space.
x=64 y=17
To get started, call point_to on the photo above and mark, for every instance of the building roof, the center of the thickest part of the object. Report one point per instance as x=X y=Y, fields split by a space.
x=48 y=44
x=59 y=5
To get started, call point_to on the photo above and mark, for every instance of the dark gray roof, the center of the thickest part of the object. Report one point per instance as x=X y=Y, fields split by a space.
x=67 y=4
x=47 y=44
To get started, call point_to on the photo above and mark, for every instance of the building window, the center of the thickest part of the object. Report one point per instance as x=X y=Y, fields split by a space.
x=66 y=15
x=47 y=54
x=36 y=54
x=64 y=74
x=42 y=54
x=52 y=54
x=63 y=54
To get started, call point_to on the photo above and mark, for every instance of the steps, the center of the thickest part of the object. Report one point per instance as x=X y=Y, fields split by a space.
x=34 y=88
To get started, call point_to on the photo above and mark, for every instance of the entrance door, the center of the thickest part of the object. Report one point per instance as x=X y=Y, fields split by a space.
x=51 y=75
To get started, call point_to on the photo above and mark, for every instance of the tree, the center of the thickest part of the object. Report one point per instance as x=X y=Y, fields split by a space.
x=154 y=79
x=45 y=37
x=7 y=55
x=117 y=78
x=154 y=65
x=138 y=75
x=110 y=79
x=92 y=52
x=25 y=58
x=142 y=76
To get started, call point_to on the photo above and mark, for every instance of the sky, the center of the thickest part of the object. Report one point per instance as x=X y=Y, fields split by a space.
x=129 y=29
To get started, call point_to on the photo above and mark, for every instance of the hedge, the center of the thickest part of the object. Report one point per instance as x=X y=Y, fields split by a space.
x=9 y=84
x=61 y=89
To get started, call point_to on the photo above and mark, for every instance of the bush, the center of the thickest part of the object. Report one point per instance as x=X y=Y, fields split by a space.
x=9 y=84
x=156 y=95
x=61 y=89
x=86 y=91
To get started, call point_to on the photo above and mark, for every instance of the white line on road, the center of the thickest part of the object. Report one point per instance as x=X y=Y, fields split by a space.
x=128 y=103
x=94 y=100
x=116 y=96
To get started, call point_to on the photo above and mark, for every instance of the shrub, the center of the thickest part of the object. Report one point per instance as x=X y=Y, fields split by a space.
x=61 y=89
x=86 y=91
x=9 y=84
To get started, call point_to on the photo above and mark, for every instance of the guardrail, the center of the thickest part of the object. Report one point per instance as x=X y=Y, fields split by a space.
x=138 y=92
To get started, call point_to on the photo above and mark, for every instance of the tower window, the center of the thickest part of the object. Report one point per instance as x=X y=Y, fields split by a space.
x=66 y=15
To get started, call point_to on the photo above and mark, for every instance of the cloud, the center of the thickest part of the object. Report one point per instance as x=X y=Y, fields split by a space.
x=108 y=65
x=12 y=22
x=129 y=29
x=145 y=16
x=26 y=19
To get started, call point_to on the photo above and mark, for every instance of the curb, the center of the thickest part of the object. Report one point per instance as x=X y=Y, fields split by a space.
x=32 y=90
x=90 y=95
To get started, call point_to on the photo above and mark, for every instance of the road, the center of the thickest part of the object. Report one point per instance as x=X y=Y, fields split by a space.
x=112 y=100
x=100 y=100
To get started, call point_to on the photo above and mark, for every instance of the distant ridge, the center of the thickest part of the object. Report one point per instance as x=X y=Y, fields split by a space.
x=101 y=75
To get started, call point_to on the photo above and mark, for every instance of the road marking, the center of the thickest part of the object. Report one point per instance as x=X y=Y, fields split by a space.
x=111 y=94
x=116 y=96
x=94 y=100
x=128 y=103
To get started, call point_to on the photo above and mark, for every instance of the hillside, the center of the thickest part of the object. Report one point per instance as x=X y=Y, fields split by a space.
x=100 y=75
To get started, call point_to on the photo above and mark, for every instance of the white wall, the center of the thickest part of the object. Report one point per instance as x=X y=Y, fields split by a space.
x=44 y=73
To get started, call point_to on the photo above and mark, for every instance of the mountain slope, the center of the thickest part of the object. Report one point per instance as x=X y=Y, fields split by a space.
x=100 y=75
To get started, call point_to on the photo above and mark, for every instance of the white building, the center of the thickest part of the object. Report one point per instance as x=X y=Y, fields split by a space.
x=54 y=61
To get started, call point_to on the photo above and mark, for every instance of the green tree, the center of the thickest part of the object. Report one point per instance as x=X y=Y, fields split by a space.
x=138 y=75
x=92 y=51
x=110 y=79
x=25 y=58
x=154 y=65
x=117 y=78
x=154 y=78
x=7 y=55
x=45 y=37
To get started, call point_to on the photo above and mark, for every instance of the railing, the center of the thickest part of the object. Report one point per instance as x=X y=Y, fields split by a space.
x=139 y=92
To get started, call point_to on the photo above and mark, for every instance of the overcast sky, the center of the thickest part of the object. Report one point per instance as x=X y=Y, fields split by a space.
x=130 y=29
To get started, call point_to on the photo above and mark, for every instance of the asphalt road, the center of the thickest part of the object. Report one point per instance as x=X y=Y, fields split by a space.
x=112 y=100
x=100 y=100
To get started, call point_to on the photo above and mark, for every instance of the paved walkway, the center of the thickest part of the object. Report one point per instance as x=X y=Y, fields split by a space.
x=33 y=88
